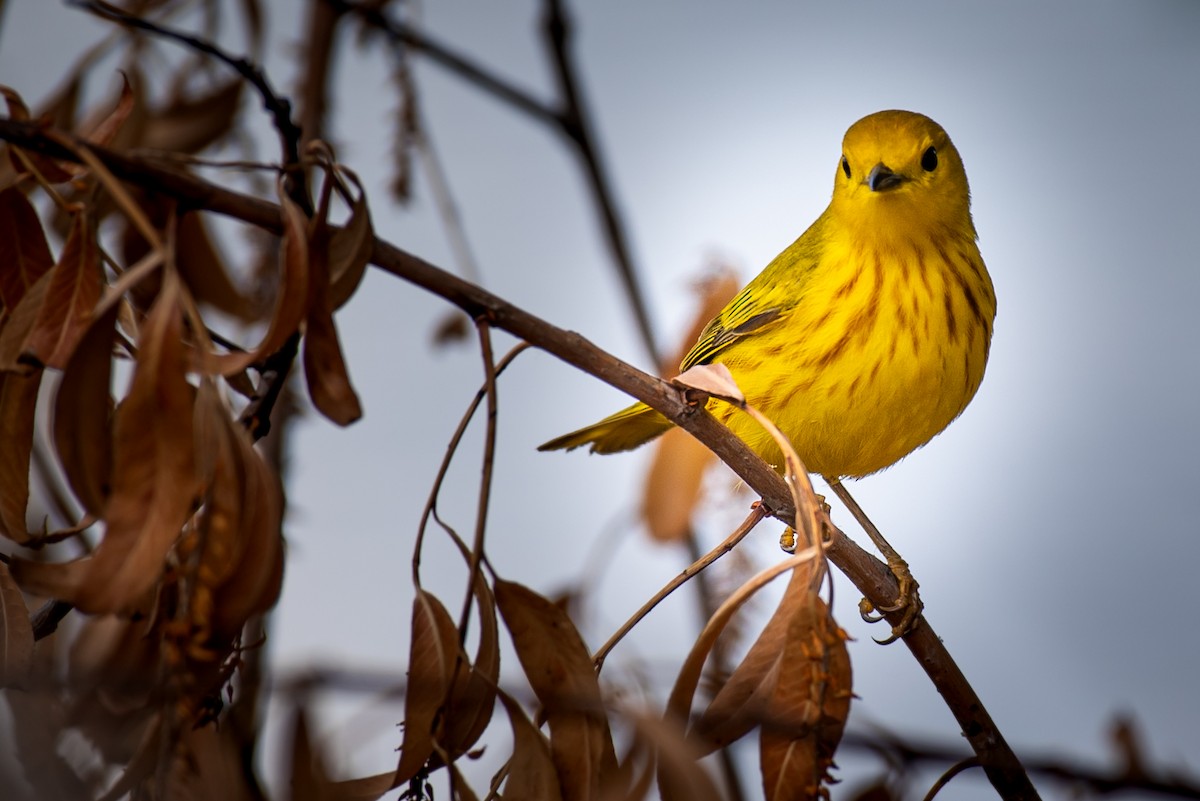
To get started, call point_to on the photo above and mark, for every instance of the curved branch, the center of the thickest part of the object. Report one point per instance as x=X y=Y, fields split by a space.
x=869 y=575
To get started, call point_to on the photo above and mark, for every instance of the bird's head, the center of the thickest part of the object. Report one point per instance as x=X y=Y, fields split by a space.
x=900 y=170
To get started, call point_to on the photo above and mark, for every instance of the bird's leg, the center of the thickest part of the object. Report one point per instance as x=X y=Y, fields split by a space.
x=908 y=598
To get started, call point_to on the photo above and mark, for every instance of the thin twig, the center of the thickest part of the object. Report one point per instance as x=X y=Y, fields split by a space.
x=753 y=519
x=485 y=475
x=578 y=126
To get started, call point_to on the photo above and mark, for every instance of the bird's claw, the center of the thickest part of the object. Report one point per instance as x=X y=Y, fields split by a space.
x=908 y=601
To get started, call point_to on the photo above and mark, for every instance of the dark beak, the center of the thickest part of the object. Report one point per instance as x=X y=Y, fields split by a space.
x=882 y=179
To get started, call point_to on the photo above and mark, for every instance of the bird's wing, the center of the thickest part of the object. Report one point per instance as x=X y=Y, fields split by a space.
x=743 y=316
x=763 y=304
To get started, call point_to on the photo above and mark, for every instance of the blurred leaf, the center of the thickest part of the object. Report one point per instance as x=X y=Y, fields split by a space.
x=51 y=170
x=531 y=773
x=453 y=327
x=70 y=298
x=350 y=251
x=308 y=778
x=190 y=124
x=681 y=776
x=154 y=482
x=19 y=324
x=196 y=257
x=559 y=669
x=324 y=365
x=24 y=255
x=83 y=415
x=16 y=634
x=243 y=512
x=18 y=404
x=105 y=129
x=673 y=484
x=809 y=705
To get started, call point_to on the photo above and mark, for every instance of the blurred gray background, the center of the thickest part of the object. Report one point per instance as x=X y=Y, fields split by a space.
x=1053 y=527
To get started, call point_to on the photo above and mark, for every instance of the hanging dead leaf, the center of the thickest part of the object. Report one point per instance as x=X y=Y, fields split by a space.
x=714 y=379
x=18 y=403
x=103 y=129
x=350 y=250
x=154 y=482
x=432 y=655
x=324 y=365
x=70 y=299
x=531 y=773
x=24 y=255
x=471 y=701
x=83 y=415
x=190 y=124
x=18 y=325
x=809 y=706
x=744 y=699
x=292 y=296
x=559 y=668
x=16 y=634
x=245 y=503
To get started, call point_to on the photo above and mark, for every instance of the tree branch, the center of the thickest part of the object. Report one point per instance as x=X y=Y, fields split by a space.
x=868 y=574
x=570 y=119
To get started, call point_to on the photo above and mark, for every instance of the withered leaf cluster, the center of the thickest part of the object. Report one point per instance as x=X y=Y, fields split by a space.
x=170 y=540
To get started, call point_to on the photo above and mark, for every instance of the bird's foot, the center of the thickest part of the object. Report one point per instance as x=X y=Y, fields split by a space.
x=908 y=601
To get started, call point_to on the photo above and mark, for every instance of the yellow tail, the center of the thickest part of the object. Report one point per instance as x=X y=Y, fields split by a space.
x=623 y=431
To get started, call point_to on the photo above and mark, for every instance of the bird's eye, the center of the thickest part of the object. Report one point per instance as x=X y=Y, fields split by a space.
x=929 y=160
x=846 y=166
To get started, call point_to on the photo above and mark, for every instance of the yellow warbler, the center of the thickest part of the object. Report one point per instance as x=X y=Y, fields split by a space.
x=870 y=333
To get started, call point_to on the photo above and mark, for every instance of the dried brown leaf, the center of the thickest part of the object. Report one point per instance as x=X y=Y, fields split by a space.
x=244 y=507
x=70 y=298
x=559 y=668
x=672 y=487
x=292 y=304
x=83 y=415
x=190 y=124
x=743 y=700
x=809 y=706
x=350 y=251
x=472 y=699
x=432 y=659
x=715 y=379
x=18 y=404
x=673 y=484
x=19 y=323
x=24 y=255
x=16 y=634
x=104 y=130
x=324 y=365
x=154 y=482
x=681 y=776
x=531 y=773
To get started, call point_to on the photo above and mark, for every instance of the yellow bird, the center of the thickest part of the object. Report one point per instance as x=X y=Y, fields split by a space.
x=869 y=334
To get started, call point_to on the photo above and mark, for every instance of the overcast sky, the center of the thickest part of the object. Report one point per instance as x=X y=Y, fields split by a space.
x=1053 y=527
